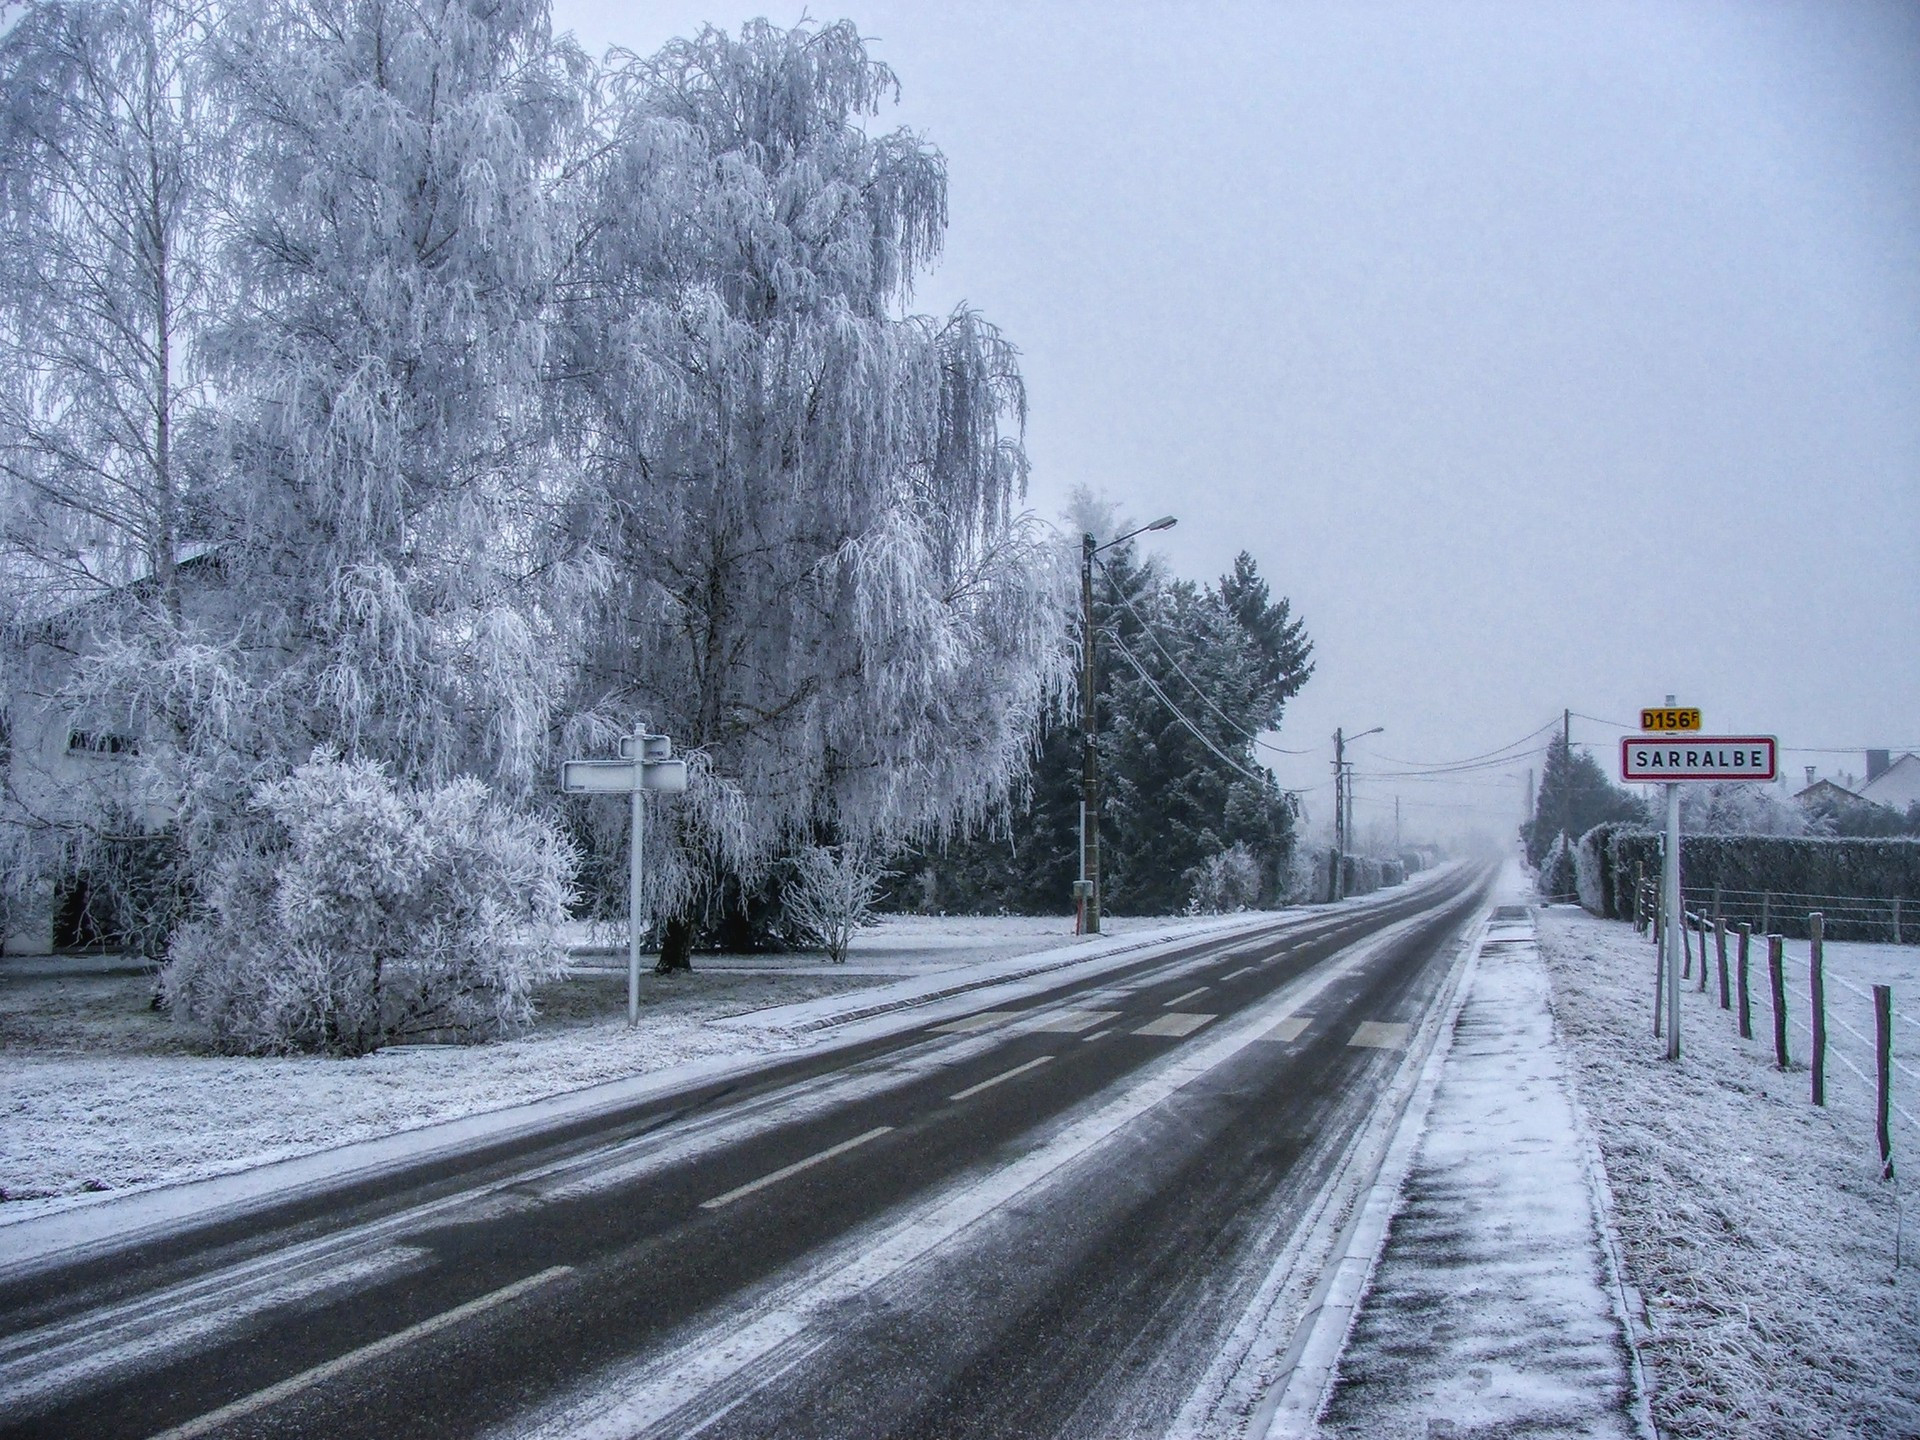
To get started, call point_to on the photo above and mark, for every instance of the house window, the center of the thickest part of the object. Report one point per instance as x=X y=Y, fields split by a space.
x=100 y=742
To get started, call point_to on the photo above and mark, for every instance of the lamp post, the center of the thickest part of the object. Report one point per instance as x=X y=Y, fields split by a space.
x=1086 y=890
x=1343 y=805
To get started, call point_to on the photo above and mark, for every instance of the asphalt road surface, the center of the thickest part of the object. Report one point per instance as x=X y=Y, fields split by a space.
x=1038 y=1220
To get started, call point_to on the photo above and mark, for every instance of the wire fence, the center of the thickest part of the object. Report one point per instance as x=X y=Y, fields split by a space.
x=1845 y=1033
x=1873 y=918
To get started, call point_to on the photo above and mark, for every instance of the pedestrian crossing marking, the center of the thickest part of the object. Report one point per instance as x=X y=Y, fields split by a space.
x=966 y=1024
x=1179 y=1023
x=1072 y=1022
x=1381 y=1035
x=1291 y=1028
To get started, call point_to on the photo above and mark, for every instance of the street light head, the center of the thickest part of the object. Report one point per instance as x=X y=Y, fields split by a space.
x=1165 y=522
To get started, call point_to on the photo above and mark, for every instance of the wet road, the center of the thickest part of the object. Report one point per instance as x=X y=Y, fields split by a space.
x=1037 y=1220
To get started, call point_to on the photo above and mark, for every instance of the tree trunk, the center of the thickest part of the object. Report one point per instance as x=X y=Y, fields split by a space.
x=676 y=946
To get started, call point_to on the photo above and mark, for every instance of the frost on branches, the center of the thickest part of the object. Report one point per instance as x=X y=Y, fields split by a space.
x=356 y=913
x=831 y=893
x=806 y=495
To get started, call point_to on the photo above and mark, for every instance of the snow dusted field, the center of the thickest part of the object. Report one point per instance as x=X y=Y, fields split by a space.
x=1755 y=1225
x=103 y=1094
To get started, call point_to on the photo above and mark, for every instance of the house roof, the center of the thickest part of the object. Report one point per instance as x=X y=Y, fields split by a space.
x=1897 y=786
x=1825 y=792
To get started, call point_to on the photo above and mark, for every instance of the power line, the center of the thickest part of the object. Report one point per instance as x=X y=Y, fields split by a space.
x=1148 y=631
x=1180 y=715
x=1438 y=766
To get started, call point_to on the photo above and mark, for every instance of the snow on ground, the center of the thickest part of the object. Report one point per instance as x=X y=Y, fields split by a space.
x=1754 y=1224
x=98 y=1092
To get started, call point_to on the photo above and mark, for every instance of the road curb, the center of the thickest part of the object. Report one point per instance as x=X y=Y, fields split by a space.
x=1293 y=1402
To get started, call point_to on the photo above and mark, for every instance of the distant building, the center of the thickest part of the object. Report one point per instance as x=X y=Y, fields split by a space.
x=1825 y=795
x=1890 y=782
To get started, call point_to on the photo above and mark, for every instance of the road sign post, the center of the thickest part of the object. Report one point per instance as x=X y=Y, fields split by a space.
x=1671 y=758
x=646 y=763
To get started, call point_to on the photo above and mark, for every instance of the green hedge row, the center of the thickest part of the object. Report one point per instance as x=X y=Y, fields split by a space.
x=1746 y=867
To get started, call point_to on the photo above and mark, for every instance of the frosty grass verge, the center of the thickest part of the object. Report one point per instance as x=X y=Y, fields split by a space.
x=1754 y=1224
x=101 y=1094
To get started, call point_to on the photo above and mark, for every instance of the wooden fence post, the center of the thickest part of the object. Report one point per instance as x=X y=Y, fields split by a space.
x=1766 y=912
x=1746 y=1000
x=1777 y=973
x=1659 y=977
x=1686 y=945
x=1883 y=1055
x=1720 y=948
x=1817 y=983
x=1896 y=921
x=1703 y=954
x=1639 y=895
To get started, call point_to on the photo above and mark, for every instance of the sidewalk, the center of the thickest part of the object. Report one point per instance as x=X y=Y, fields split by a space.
x=1494 y=1306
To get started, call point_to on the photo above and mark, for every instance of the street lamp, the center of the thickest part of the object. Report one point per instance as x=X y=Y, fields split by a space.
x=1086 y=890
x=1343 y=805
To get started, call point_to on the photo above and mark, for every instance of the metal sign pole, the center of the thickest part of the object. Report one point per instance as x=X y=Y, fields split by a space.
x=633 y=909
x=1670 y=880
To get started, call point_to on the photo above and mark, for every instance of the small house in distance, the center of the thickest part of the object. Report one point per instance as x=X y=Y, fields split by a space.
x=1894 y=783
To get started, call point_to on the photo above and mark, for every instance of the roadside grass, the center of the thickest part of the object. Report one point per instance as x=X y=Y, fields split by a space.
x=1754 y=1225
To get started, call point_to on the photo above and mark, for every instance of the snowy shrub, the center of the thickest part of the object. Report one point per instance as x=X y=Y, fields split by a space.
x=1556 y=878
x=831 y=894
x=1228 y=880
x=355 y=913
x=1306 y=876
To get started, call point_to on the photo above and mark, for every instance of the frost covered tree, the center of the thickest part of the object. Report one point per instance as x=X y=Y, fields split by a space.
x=830 y=894
x=1575 y=795
x=107 y=148
x=398 y=222
x=806 y=494
x=1189 y=675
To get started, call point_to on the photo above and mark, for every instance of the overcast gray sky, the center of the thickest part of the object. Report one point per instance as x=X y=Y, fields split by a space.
x=1545 y=355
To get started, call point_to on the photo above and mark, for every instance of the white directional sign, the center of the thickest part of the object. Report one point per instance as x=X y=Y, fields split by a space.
x=1698 y=757
x=597 y=777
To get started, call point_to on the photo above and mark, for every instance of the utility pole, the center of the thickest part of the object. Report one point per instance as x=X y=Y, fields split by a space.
x=1566 y=789
x=1339 y=812
x=1396 y=825
x=1087 y=887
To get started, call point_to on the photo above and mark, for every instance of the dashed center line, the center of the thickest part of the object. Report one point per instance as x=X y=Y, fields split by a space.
x=1243 y=970
x=1182 y=999
x=967 y=1024
x=794 y=1169
x=1003 y=1075
x=273 y=1394
x=1096 y=1035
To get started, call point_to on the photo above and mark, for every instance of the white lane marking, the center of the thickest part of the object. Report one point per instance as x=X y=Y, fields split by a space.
x=620 y=1402
x=1381 y=1035
x=1182 y=999
x=1096 y=1035
x=966 y=1024
x=794 y=1169
x=1243 y=970
x=972 y=1090
x=1181 y=1022
x=1072 y=1022
x=274 y=1394
x=151 y=1333
x=1291 y=1028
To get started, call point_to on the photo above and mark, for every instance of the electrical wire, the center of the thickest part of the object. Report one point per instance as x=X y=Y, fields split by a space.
x=1180 y=715
x=1148 y=631
x=1440 y=766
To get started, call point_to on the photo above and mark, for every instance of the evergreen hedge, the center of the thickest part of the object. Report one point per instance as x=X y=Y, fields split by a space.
x=1783 y=866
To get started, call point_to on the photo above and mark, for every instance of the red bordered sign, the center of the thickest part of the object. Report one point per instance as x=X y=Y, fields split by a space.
x=1698 y=757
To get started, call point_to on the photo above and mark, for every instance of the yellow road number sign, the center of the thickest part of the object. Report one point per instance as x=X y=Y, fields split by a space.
x=1670 y=718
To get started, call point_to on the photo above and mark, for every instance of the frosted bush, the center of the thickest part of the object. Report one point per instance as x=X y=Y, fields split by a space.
x=1556 y=880
x=831 y=894
x=355 y=913
x=1229 y=880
